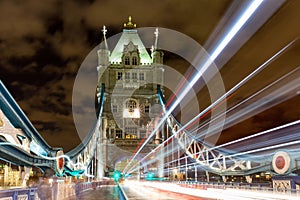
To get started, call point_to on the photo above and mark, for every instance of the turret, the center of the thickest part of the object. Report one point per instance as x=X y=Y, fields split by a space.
x=157 y=56
x=103 y=52
x=103 y=61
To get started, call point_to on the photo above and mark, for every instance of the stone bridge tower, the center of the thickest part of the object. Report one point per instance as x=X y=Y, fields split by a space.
x=131 y=76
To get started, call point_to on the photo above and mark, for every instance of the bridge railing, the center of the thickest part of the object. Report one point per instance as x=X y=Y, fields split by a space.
x=15 y=194
x=54 y=191
x=265 y=187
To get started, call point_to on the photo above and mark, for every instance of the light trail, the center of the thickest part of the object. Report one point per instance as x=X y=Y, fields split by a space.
x=257 y=134
x=290 y=86
x=297 y=122
x=292 y=73
x=213 y=193
x=263 y=103
x=240 y=154
x=255 y=158
x=230 y=92
x=252 y=136
x=220 y=47
x=260 y=68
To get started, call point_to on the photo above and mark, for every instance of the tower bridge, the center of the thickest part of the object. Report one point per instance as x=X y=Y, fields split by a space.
x=136 y=134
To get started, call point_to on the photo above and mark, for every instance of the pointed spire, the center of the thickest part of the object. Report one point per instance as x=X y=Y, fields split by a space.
x=103 y=44
x=156 y=38
x=129 y=24
x=103 y=52
x=157 y=56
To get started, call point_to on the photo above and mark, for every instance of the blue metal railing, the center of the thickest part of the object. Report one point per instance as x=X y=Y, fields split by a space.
x=77 y=150
x=12 y=110
x=15 y=194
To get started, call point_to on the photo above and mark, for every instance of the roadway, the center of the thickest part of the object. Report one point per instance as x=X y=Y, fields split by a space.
x=167 y=191
x=110 y=192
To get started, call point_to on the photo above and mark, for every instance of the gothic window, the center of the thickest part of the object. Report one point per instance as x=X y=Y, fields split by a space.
x=119 y=134
x=142 y=133
x=131 y=132
x=142 y=76
x=127 y=60
x=131 y=105
x=127 y=76
x=114 y=108
x=119 y=75
x=131 y=110
x=134 y=76
x=147 y=109
x=134 y=60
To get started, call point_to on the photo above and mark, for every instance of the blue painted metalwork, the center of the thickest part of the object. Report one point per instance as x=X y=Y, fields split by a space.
x=31 y=193
x=77 y=150
x=19 y=120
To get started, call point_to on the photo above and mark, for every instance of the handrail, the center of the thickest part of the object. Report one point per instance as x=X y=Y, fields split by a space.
x=22 y=157
x=13 y=110
x=15 y=194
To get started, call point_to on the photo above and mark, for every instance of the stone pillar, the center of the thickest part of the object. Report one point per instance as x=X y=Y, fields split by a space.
x=186 y=169
x=104 y=127
x=249 y=179
x=92 y=167
x=207 y=176
x=104 y=143
x=100 y=167
x=100 y=153
x=224 y=179
x=25 y=176
x=160 y=163
x=158 y=137
x=196 y=173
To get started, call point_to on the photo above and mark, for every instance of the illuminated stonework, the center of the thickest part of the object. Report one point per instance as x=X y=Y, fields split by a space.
x=131 y=77
x=134 y=45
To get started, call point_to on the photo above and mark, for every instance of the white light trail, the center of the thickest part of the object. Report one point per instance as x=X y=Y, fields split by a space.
x=236 y=86
x=236 y=141
x=220 y=47
x=238 y=119
x=257 y=134
x=227 y=192
x=265 y=104
x=241 y=154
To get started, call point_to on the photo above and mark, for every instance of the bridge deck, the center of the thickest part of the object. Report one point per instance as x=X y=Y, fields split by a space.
x=137 y=193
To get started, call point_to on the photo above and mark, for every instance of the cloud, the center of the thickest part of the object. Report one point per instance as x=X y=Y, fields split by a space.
x=43 y=44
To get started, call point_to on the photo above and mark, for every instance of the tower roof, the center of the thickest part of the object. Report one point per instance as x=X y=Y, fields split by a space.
x=130 y=35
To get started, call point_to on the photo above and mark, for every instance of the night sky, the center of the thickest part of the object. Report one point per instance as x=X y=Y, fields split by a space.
x=43 y=43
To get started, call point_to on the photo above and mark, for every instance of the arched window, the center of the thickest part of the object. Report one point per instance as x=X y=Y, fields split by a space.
x=127 y=60
x=147 y=109
x=134 y=60
x=131 y=110
x=131 y=105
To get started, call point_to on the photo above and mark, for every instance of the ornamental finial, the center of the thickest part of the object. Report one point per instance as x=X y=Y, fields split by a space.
x=129 y=24
x=104 y=30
